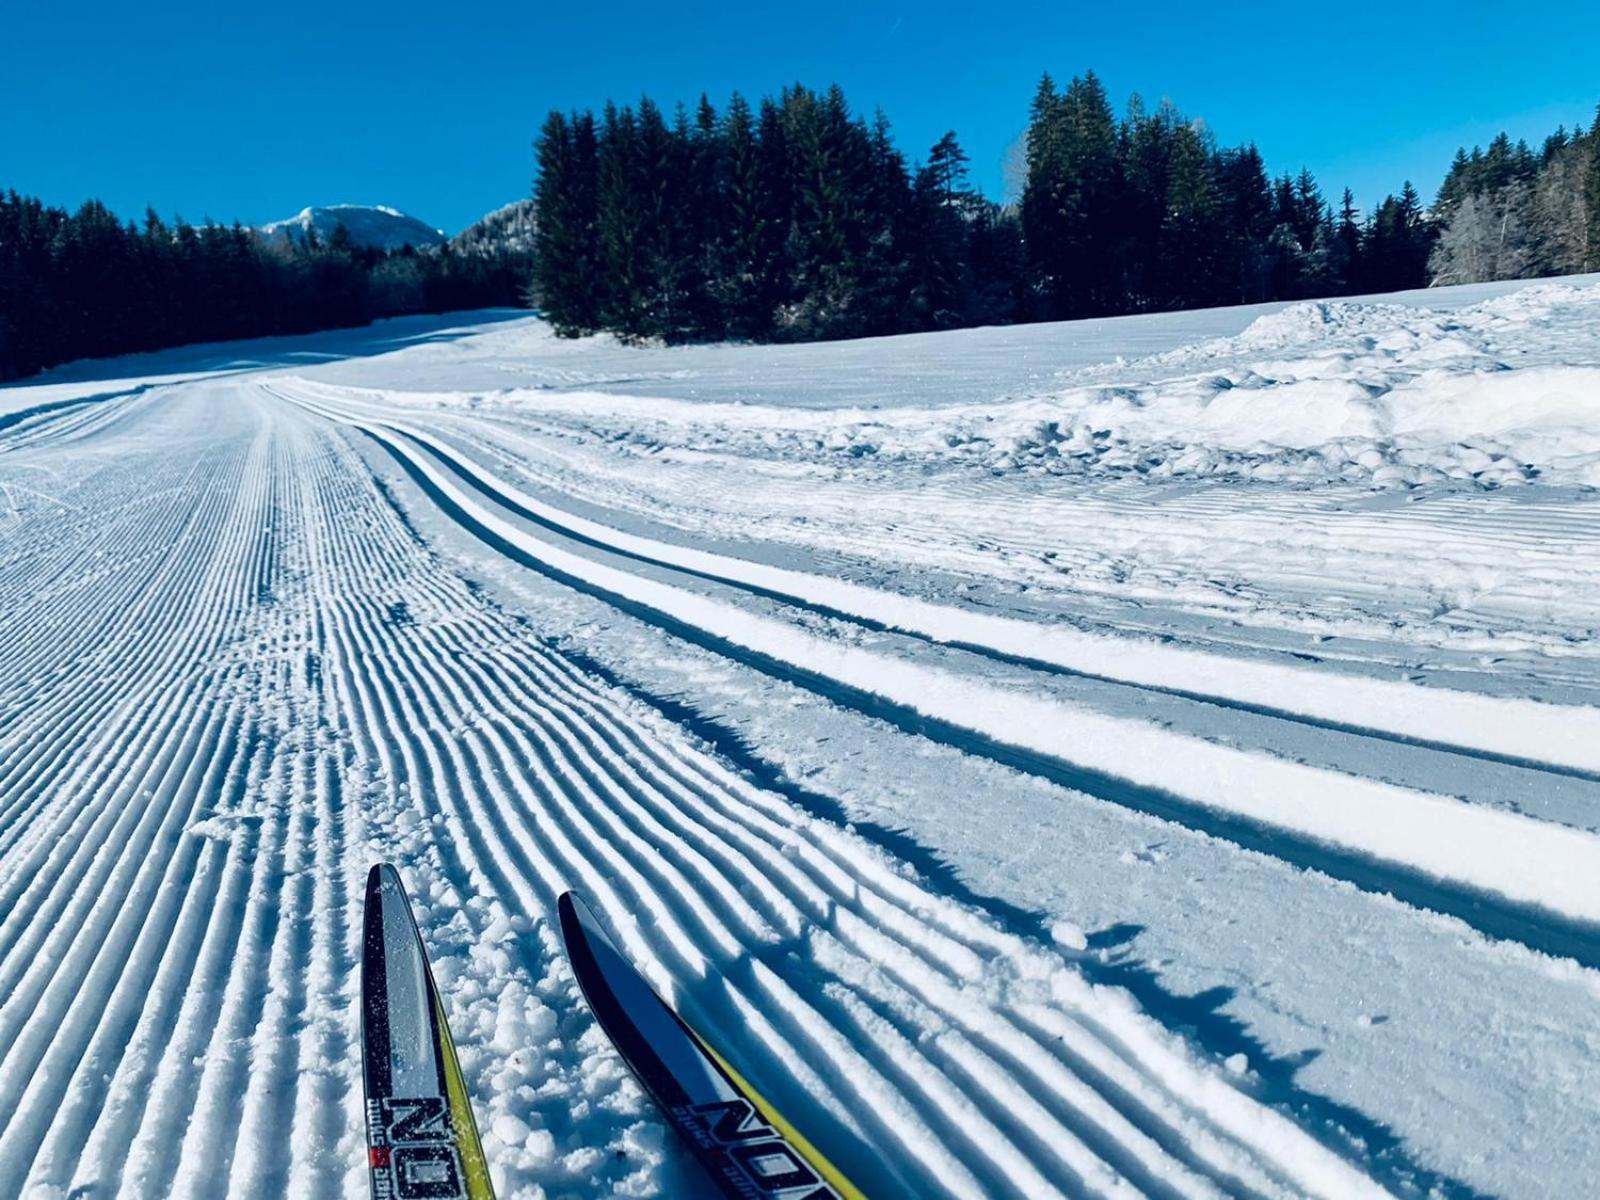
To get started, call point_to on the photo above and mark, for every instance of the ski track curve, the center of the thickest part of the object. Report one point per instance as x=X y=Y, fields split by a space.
x=232 y=675
x=1539 y=888
x=1562 y=737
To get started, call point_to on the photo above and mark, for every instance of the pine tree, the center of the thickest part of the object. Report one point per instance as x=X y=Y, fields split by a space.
x=1043 y=200
x=620 y=222
x=947 y=167
x=1347 y=269
x=1592 y=195
x=1245 y=221
x=942 y=296
x=829 y=234
x=1145 y=147
x=708 y=252
x=566 y=275
x=748 y=291
x=1186 y=262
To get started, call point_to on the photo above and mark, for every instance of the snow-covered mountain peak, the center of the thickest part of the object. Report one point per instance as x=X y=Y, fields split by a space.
x=375 y=225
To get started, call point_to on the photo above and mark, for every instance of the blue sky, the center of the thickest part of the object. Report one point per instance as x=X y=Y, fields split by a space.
x=252 y=112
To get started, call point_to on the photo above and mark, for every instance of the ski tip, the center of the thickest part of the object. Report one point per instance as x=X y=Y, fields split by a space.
x=578 y=922
x=383 y=875
x=573 y=914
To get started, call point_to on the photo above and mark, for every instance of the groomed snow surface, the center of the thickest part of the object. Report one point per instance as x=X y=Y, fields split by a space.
x=1144 y=757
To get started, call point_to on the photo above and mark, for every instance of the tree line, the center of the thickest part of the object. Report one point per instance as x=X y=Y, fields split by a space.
x=1512 y=212
x=798 y=219
x=86 y=285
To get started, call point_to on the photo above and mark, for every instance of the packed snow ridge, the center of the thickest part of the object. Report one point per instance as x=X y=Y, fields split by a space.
x=375 y=226
x=1382 y=395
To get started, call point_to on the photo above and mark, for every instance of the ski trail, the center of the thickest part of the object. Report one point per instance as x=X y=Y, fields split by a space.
x=1526 y=861
x=270 y=679
x=1562 y=736
x=548 y=844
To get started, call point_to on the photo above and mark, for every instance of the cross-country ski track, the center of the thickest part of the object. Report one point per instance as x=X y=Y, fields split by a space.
x=259 y=631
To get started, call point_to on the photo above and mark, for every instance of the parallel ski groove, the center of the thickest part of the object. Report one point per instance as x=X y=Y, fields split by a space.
x=218 y=738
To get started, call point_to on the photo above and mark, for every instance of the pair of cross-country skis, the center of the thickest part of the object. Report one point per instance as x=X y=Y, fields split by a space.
x=422 y=1141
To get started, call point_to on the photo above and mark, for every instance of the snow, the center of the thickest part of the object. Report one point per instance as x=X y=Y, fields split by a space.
x=374 y=225
x=508 y=229
x=1140 y=757
x=1068 y=936
x=1351 y=392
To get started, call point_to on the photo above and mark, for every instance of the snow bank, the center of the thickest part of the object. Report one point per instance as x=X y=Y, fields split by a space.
x=1376 y=394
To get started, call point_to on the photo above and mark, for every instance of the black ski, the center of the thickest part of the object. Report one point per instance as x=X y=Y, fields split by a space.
x=422 y=1143
x=736 y=1135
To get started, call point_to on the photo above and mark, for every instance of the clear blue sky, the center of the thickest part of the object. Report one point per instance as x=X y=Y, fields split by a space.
x=253 y=111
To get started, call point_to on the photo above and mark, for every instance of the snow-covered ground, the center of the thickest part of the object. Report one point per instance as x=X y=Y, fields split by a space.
x=1156 y=756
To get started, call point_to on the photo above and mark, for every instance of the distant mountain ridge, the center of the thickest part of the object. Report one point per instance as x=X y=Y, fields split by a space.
x=370 y=225
x=507 y=230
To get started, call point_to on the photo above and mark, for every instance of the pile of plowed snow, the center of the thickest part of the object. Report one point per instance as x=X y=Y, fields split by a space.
x=1382 y=395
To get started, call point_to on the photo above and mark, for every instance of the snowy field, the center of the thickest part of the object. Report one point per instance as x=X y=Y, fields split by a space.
x=1156 y=756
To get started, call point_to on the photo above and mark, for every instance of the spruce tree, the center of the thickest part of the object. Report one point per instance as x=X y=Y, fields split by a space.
x=887 y=235
x=1187 y=255
x=1043 y=200
x=708 y=251
x=565 y=275
x=1591 y=187
x=656 y=177
x=943 y=207
x=620 y=225
x=828 y=237
x=1244 y=217
x=1418 y=238
x=756 y=223
x=1348 y=270
x=1145 y=146
x=1457 y=184
x=1397 y=244
x=1093 y=198
x=1072 y=204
